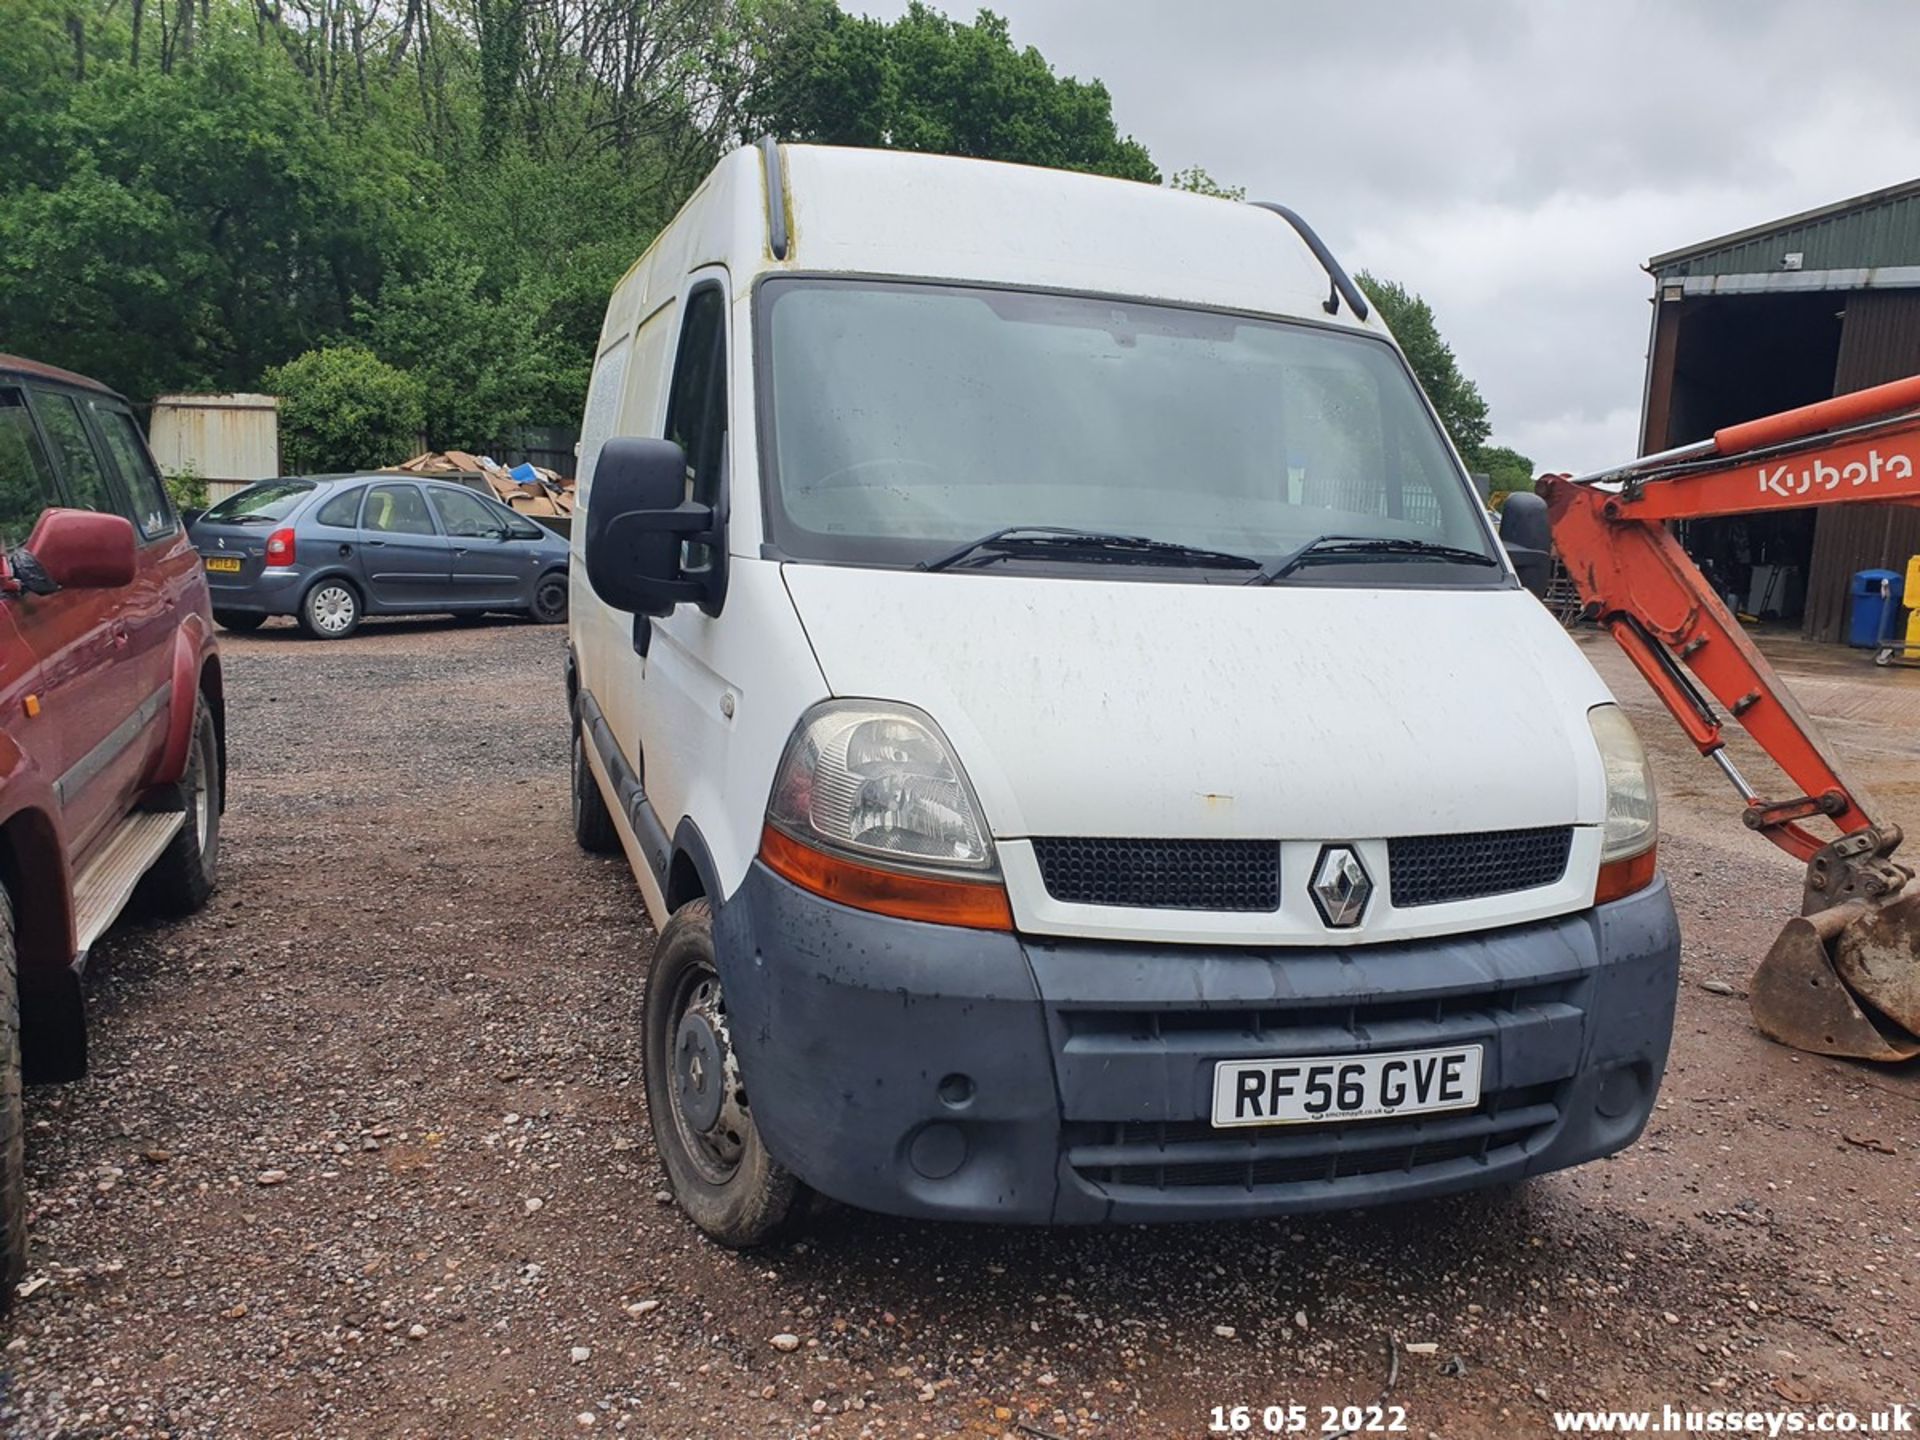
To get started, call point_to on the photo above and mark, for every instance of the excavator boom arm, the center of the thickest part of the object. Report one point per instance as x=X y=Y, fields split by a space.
x=1611 y=533
x=1843 y=977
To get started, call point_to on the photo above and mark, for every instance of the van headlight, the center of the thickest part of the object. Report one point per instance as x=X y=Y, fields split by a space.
x=1632 y=824
x=881 y=781
x=871 y=809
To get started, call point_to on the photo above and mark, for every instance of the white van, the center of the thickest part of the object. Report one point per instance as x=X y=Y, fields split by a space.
x=1083 y=746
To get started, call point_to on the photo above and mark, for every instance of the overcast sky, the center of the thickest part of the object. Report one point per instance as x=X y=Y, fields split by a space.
x=1514 y=161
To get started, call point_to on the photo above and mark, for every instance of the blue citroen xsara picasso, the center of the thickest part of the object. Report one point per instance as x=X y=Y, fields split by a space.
x=332 y=549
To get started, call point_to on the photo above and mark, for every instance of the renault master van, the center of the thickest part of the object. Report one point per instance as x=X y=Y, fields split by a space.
x=1080 y=740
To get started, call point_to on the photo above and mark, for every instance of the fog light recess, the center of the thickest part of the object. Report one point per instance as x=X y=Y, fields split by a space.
x=938 y=1150
x=1621 y=1091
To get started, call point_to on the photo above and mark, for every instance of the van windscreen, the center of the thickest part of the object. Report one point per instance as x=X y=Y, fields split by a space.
x=908 y=418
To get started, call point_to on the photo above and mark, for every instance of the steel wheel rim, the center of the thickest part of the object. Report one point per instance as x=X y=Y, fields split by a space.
x=551 y=595
x=202 y=801
x=715 y=1148
x=332 y=609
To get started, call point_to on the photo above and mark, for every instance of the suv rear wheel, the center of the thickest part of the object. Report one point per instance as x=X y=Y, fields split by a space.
x=179 y=882
x=330 y=610
x=697 y=1103
x=13 y=1169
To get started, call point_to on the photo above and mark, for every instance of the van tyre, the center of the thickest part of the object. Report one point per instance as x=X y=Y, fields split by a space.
x=13 y=1167
x=182 y=879
x=718 y=1168
x=330 y=610
x=592 y=821
x=238 y=621
x=549 y=605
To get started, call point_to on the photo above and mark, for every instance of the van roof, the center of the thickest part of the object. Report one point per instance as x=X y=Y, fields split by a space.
x=901 y=214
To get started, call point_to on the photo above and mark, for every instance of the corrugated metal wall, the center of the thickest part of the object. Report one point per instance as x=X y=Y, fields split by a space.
x=221 y=438
x=1879 y=341
x=1886 y=232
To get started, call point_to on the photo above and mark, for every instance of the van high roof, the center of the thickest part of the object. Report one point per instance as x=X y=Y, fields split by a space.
x=896 y=213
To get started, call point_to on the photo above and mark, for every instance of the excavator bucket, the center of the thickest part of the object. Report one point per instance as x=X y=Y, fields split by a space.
x=1844 y=981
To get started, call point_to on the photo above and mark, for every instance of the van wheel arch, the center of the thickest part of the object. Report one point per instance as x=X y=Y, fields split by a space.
x=691 y=874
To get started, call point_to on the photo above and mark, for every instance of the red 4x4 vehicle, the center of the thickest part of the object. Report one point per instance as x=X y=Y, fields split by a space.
x=112 y=751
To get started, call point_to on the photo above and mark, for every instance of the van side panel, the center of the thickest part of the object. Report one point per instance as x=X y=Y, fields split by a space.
x=723 y=695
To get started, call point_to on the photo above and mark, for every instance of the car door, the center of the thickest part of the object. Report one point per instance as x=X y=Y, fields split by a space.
x=108 y=709
x=683 y=723
x=165 y=564
x=489 y=565
x=408 y=563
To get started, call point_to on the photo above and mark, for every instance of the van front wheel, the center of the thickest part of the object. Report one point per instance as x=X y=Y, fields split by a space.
x=702 y=1121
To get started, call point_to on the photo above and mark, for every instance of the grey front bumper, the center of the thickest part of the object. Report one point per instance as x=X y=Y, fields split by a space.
x=962 y=1074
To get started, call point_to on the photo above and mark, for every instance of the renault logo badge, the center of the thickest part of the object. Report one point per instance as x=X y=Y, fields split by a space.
x=1341 y=887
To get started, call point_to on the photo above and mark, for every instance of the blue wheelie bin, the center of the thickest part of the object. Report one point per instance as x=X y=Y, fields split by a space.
x=1873 y=607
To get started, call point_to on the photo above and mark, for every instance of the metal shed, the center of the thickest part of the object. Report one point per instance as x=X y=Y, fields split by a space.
x=228 y=440
x=1778 y=315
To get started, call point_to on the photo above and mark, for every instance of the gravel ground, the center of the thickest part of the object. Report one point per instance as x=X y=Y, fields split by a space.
x=364 y=1153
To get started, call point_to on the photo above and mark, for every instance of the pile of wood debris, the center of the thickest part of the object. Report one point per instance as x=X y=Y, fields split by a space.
x=529 y=489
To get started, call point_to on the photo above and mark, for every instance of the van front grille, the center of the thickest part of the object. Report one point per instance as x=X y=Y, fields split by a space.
x=1162 y=874
x=1244 y=875
x=1434 y=869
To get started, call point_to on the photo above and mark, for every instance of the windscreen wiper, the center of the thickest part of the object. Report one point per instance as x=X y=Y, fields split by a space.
x=1323 y=547
x=1048 y=540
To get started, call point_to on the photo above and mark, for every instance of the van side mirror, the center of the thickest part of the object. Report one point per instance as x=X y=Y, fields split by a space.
x=1528 y=536
x=83 y=550
x=637 y=517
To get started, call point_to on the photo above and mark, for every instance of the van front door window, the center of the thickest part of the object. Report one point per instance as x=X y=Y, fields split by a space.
x=697 y=406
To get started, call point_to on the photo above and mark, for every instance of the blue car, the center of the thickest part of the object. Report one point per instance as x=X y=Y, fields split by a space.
x=330 y=550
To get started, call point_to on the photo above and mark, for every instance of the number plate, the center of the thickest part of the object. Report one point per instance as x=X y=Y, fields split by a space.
x=1322 y=1088
x=226 y=564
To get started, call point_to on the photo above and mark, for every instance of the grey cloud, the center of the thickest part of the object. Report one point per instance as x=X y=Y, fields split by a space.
x=1515 y=161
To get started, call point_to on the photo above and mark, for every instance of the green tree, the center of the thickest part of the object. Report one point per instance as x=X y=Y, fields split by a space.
x=1457 y=400
x=187 y=488
x=927 y=82
x=344 y=408
x=191 y=228
x=1508 y=468
x=1199 y=182
x=194 y=194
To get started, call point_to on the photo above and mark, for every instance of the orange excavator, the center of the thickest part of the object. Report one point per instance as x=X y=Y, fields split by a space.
x=1843 y=978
